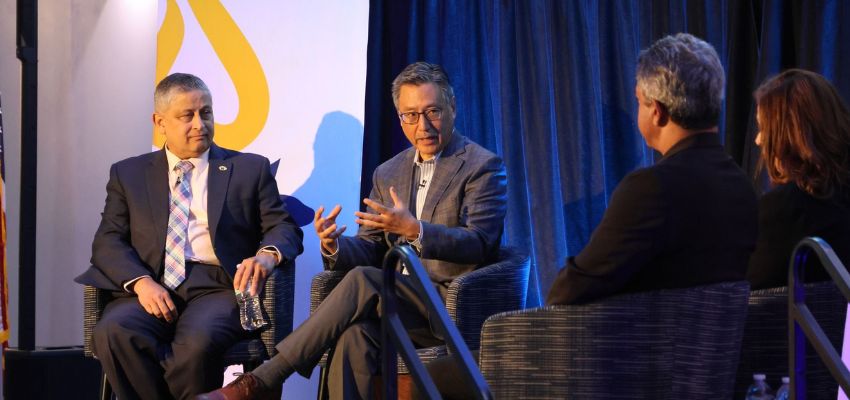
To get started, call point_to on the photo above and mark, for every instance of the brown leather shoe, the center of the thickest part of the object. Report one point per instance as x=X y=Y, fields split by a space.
x=245 y=387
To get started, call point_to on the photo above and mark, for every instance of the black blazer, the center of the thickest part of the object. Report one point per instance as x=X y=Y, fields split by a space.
x=688 y=220
x=243 y=205
x=787 y=214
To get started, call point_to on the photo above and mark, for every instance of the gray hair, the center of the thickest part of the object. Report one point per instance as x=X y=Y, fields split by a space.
x=420 y=73
x=683 y=73
x=176 y=82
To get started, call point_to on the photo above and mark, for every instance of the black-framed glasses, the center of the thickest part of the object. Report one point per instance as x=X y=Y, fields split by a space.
x=412 y=117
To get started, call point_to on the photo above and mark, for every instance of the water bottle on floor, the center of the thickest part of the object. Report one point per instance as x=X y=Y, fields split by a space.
x=759 y=390
x=250 y=312
x=784 y=391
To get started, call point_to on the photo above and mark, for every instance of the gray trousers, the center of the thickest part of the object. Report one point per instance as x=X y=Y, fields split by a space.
x=350 y=318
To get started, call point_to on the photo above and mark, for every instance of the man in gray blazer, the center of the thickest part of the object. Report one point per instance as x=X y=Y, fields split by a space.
x=445 y=196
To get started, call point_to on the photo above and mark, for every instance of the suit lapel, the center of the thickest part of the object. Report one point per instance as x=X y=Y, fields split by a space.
x=156 y=178
x=403 y=183
x=401 y=180
x=447 y=167
x=218 y=180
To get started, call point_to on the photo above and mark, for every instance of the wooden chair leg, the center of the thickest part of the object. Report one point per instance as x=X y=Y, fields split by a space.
x=406 y=388
x=105 y=389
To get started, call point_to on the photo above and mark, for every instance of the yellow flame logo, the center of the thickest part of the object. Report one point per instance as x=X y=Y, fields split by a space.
x=238 y=59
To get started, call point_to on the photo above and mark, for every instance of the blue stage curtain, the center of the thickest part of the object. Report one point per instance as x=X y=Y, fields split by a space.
x=549 y=86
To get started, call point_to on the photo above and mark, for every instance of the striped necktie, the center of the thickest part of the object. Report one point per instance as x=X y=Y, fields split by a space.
x=178 y=227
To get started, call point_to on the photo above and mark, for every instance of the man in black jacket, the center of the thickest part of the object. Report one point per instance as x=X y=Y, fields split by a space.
x=688 y=220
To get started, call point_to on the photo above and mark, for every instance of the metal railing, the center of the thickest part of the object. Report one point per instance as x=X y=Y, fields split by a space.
x=393 y=334
x=802 y=325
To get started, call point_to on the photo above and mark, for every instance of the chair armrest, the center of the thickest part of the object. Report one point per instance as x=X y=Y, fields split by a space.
x=491 y=289
x=322 y=285
x=649 y=344
x=278 y=302
x=94 y=301
x=765 y=343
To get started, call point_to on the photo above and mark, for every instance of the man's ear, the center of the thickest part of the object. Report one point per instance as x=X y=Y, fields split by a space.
x=157 y=123
x=660 y=114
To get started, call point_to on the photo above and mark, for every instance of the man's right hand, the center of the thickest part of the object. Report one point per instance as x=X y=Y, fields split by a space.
x=326 y=228
x=155 y=299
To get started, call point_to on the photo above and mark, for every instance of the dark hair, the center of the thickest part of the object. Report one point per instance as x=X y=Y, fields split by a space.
x=420 y=73
x=179 y=82
x=805 y=132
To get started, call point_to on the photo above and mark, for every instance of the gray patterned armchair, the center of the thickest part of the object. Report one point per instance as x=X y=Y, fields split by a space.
x=278 y=301
x=665 y=344
x=470 y=300
x=765 y=343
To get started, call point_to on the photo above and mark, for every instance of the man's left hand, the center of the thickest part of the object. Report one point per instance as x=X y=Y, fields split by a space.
x=258 y=267
x=396 y=219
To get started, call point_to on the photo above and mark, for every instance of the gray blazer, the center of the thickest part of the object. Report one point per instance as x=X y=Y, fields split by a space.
x=462 y=219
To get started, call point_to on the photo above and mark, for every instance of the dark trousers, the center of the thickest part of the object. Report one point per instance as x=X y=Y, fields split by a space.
x=148 y=358
x=350 y=318
x=447 y=376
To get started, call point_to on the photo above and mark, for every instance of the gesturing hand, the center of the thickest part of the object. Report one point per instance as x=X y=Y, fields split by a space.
x=155 y=299
x=396 y=219
x=326 y=228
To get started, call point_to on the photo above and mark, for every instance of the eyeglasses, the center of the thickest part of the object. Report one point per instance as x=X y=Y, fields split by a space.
x=412 y=118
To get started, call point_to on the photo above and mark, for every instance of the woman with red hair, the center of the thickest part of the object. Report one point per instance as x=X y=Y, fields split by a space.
x=804 y=136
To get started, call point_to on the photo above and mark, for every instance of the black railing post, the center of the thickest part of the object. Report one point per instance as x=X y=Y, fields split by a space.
x=388 y=352
x=27 y=52
x=393 y=334
x=802 y=326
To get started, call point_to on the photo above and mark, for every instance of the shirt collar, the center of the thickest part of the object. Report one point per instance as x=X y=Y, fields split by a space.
x=417 y=160
x=200 y=162
x=700 y=139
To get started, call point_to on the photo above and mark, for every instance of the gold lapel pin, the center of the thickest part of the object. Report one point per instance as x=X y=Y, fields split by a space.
x=222 y=168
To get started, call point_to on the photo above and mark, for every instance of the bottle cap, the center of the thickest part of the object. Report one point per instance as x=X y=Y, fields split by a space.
x=759 y=377
x=786 y=379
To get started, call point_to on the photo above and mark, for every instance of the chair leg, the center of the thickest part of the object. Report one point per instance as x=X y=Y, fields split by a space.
x=105 y=389
x=322 y=393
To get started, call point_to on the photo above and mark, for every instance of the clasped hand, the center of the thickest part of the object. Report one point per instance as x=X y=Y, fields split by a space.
x=257 y=269
x=156 y=300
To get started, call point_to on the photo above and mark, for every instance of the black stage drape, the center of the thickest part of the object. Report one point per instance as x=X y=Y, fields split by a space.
x=549 y=86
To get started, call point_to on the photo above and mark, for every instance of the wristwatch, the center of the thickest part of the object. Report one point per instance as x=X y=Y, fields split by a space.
x=273 y=251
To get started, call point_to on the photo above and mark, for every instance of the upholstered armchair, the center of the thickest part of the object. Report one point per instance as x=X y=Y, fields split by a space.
x=471 y=298
x=765 y=344
x=278 y=301
x=665 y=344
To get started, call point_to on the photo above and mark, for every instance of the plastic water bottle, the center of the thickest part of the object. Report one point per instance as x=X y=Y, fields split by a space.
x=759 y=390
x=250 y=312
x=784 y=391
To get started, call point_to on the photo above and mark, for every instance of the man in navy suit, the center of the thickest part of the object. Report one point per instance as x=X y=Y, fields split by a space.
x=172 y=275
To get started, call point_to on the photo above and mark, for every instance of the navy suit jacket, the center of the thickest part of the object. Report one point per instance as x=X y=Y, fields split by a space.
x=243 y=205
